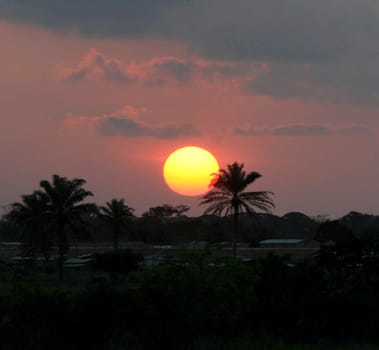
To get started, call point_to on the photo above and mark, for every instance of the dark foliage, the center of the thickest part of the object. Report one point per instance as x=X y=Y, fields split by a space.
x=333 y=231
x=228 y=196
x=120 y=261
x=166 y=211
x=334 y=296
x=117 y=214
x=172 y=305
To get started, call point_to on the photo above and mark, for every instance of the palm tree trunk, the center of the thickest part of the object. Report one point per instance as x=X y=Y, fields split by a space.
x=60 y=233
x=234 y=232
x=116 y=231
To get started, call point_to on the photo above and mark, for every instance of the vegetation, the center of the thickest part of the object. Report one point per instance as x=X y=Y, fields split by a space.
x=197 y=299
x=166 y=211
x=51 y=211
x=228 y=196
x=191 y=304
x=64 y=209
x=30 y=215
x=117 y=262
x=117 y=214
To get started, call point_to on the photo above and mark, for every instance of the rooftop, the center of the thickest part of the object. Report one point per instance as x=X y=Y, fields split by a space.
x=281 y=241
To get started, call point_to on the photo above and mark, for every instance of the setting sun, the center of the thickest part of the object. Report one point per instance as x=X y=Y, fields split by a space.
x=188 y=170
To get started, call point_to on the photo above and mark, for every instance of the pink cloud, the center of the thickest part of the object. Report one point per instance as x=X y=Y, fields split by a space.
x=155 y=72
x=126 y=123
x=95 y=65
x=306 y=130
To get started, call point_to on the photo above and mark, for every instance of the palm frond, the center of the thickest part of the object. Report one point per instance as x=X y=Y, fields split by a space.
x=227 y=194
x=116 y=211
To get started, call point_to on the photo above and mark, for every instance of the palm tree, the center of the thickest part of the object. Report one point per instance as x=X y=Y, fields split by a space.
x=227 y=195
x=116 y=212
x=30 y=214
x=64 y=209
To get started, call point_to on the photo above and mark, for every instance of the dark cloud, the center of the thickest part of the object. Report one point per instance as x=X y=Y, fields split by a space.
x=346 y=82
x=156 y=72
x=329 y=83
x=356 y=130
x=94 y=18
x=186 y=70
x=126 y=123
x=286 y=30
x=325 y=50
x=126 y=127
x=180 y=70
x=305 y=130
x=96 y=66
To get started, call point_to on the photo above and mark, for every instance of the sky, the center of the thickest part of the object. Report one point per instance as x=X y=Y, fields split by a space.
x=105 y=90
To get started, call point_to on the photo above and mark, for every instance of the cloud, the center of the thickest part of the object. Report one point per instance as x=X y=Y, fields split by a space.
x=179 y=69
x=288 y=30
x=342 y=83
x=351 y=83
x=305 y=130
x=94 y=65
x=321 y=50
x=91 y=18
x=126 y=123
x=155 y=72
x=188 y=70
x=125 y=127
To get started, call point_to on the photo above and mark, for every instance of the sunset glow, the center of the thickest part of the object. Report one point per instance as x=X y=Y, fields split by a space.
x=107 y=92
x=188 y=170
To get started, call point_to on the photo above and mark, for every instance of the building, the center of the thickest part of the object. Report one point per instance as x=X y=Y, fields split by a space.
x=281 y=243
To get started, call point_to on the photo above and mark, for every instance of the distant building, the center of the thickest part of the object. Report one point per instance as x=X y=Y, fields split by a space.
x=10 y=244
x=281 y=243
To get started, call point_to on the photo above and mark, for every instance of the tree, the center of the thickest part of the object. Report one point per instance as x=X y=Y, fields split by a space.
x=116 y=212
x=333 y=231
x=227 y=195
x=64 y=209
x=117 y=262
x=30 y=215
x=166 y=211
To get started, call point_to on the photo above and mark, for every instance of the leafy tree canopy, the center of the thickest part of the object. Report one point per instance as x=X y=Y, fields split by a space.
x=166 y=211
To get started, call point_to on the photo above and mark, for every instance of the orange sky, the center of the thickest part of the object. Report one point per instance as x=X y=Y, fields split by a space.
x=111 y=108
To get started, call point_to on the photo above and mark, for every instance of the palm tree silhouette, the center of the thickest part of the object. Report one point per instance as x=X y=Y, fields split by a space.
x=64 y=209
x=227 y=195
x=30 y=214
x=116 y=212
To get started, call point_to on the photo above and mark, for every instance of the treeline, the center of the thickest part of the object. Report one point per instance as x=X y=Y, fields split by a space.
x=333 y=297
x=151 y=228
x=59 y=211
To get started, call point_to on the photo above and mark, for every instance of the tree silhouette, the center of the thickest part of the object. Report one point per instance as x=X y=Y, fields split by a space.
x=116 y=212
x=227 y=195
x=166 y=211
x=64 y=209
x=333 y=231
x=30 y=215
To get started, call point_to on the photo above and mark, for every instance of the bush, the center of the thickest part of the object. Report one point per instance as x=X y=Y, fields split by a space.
x=118 y=261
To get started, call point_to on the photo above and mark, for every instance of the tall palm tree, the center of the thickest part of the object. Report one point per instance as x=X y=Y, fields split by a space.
x=227 y=195
x=30 y=214
x=64 y=208
x=117 y=213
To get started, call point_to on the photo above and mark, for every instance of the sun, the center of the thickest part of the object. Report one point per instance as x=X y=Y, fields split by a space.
x=188 y=170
